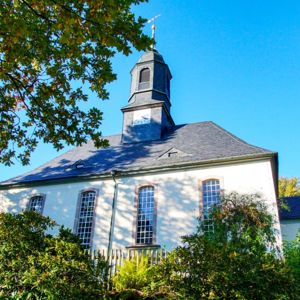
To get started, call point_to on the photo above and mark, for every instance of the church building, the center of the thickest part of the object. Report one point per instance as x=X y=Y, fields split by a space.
x=150 y=186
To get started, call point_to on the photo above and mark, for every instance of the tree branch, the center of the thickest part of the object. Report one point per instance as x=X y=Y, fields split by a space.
x=36 y=12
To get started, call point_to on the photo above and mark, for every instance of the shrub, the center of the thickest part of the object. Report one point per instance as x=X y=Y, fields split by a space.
x=135 y=273
x=238 y=260
x=138 y=279
x=292 y=256
x=37 y=265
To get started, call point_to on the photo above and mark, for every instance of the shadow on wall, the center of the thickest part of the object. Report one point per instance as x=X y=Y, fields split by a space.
x=15 y=201
x=177 y=211
x=7 y=204
x=177 y=208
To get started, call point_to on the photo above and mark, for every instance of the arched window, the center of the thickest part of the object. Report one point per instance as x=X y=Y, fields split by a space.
x=85 y=218
x=210 y=196
x=145 y=216
x=144 y=80
x=145 y=75
x=36 y=203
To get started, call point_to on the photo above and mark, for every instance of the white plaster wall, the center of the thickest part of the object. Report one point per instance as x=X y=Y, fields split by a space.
x=177 y=195
x=61 y=203
x=289 y=229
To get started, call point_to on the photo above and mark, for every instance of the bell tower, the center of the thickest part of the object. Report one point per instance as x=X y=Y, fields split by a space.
x=147 y=114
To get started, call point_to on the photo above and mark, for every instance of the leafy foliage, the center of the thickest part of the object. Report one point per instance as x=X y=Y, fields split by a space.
x=239 y=260
x=137 y=279
x=292 y=256
x=36 y=265
x=135 y=273
x=289 y=187
x=47 y=46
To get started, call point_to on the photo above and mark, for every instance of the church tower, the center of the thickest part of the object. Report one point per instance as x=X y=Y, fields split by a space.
x=147 y=114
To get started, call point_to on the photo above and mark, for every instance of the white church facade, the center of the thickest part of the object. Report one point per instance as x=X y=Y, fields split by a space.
x=149 y=187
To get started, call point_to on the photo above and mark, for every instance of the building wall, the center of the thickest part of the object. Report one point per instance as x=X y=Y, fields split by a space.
x=289 y=229
x=177 y=194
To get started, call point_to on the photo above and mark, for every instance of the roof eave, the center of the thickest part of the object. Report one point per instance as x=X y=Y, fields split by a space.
x=141 y=171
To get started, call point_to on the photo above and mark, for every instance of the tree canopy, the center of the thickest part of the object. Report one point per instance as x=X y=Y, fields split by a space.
x=37 y=265
x=289 y=187
x=46 y=46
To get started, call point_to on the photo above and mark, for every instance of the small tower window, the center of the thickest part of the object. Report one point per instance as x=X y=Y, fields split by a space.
x=145 y=75
x=144 y=81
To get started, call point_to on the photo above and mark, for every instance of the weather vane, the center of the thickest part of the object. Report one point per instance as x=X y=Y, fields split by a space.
x=153 y=28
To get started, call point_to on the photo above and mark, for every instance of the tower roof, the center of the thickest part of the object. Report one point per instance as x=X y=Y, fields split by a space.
x=151 y=55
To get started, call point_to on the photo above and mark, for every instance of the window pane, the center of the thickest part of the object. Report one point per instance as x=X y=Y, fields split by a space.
x=145 y=216
x=210 y=196
x=36 y=203
x=86 y=217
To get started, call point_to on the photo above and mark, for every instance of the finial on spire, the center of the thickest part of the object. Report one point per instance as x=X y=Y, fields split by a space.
x=153 y=28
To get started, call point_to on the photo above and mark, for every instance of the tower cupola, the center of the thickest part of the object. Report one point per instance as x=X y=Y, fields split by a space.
x=147 y=114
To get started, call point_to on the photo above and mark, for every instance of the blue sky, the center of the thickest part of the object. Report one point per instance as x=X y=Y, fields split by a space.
x=236 y=63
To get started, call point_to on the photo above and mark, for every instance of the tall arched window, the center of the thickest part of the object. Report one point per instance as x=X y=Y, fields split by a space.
x=210 y=196
x=36 y=203
x=85 y=218
x=144 y=80
x=145 y=216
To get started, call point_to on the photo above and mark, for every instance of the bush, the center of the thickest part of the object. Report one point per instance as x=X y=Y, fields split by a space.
x=292 y=256
x=135 y=273
x=137 y=279
x=238 y=260
x=36 y=265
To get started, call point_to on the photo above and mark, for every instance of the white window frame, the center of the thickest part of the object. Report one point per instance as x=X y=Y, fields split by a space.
x=149 y=237
x=202 y=203
x=42 y=198
x=78 y=217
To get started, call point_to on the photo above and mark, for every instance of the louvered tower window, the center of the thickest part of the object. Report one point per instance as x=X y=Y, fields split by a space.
x=144 y=81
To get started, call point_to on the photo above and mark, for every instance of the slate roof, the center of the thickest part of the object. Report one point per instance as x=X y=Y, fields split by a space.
x=294 y=208
x=151 y=55
x=196 y=143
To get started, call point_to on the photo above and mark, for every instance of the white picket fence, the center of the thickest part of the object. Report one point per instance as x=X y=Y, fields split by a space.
x=117 y=257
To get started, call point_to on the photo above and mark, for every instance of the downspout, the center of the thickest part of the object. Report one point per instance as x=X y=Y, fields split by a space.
x=113 y=213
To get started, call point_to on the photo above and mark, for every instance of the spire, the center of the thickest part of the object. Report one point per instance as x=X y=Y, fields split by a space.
x=153 y=27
